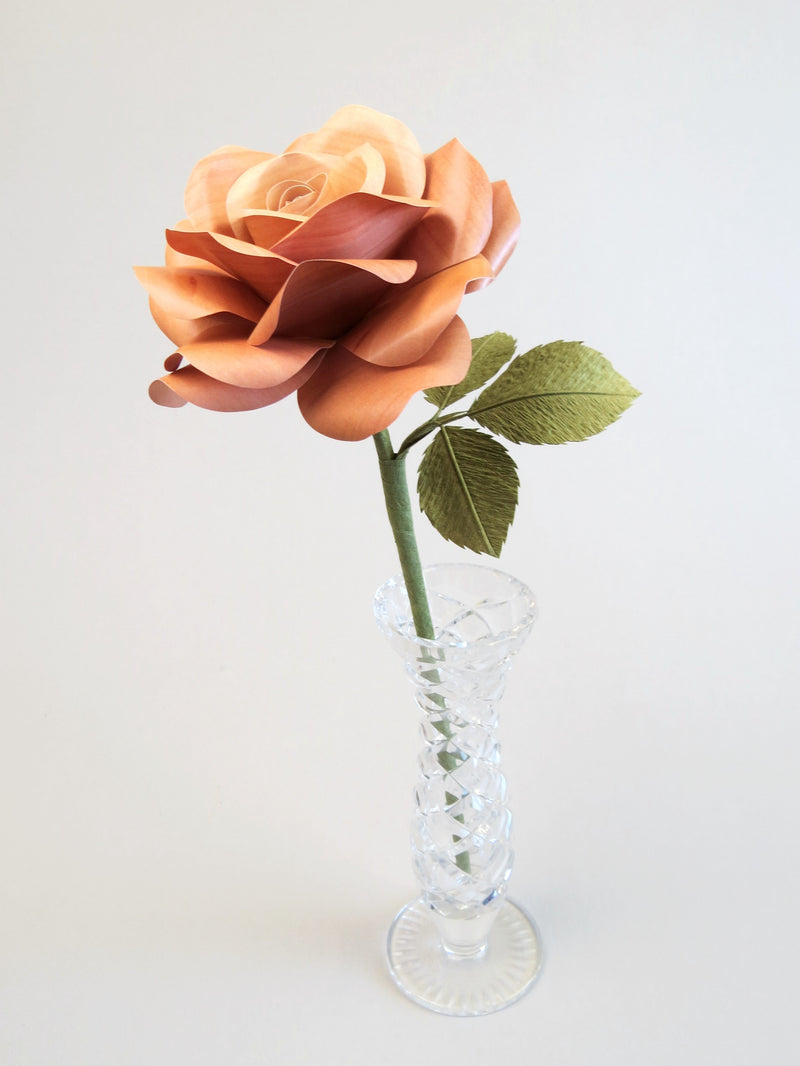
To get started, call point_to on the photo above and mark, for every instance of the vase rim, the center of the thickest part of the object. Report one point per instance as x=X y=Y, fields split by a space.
x=517 y=589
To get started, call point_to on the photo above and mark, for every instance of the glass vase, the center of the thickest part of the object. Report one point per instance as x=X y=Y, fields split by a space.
x=462 y=947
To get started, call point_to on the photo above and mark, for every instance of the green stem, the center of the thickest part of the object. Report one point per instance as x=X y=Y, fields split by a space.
x=401 y=519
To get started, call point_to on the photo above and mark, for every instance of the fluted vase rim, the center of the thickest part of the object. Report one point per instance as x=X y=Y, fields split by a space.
x=516 y=588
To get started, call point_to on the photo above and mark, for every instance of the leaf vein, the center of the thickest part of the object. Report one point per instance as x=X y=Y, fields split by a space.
x=540 y=396
x=468 y=495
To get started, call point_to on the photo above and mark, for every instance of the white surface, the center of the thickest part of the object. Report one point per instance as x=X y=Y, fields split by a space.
x=207 y=751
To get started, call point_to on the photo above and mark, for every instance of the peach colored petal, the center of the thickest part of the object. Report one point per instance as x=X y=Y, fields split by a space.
x=251 y=190
x=361 y=170
x=348 y=399
x=459 y=226
x=233 y=360
x=208 y=185
x=358 y=226
x=172 y=362
x=504 y=235
x=164 y=394
x=299 y=197
x=325 y=297
x=356 y=125
x=175 y=259
x=179 y=330
x=262 y=270
x=184 y=331
x=185 y=293
x=266 y=228
x=405 y=325
x=189 y=385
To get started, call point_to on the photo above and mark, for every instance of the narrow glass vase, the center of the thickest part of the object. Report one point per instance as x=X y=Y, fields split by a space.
x=461 y=948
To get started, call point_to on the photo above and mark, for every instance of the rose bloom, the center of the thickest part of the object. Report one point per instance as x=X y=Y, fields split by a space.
x=334 y=270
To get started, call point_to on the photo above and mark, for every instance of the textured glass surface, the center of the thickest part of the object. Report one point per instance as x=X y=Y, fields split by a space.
x=461 y=834
x=501 y=974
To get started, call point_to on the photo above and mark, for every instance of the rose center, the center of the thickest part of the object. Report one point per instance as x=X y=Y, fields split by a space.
x=295 y=196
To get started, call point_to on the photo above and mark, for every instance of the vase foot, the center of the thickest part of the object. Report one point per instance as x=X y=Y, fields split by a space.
x=463 y=987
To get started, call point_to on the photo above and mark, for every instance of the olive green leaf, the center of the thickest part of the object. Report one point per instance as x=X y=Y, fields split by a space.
x=488 y=355
x=468 y=488
x=558 y=392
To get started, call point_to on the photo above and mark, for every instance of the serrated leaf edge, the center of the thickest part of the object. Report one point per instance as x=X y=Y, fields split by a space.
x=485 y=384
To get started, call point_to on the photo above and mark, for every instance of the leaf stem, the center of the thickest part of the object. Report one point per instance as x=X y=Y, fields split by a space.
x=418 y=434
x=427 y=428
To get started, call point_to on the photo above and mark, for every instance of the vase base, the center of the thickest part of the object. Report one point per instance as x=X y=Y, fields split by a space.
x=463 y=987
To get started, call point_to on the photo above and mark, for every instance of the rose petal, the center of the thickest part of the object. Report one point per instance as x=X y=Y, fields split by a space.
x=174 y=259
x=184 y=293
x=262 y=270
x=164 y=394
x=251 y=189
x=504 y=235
x=179 y=330
x=266 y=228
x=356 y=125
x=184 y=331
x=358 y=226
x=208 y=185
x=459 y=226
x=348 y=399
x=405 y=325
x=361 y=170
x=295 y=196
x=323 y=297
x=190 y=385
x=232 y=359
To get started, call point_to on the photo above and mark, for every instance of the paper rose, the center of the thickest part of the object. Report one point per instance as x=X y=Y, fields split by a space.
x=334 y=270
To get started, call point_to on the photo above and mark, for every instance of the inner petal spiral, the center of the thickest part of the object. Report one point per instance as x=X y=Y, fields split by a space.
x=295 y=196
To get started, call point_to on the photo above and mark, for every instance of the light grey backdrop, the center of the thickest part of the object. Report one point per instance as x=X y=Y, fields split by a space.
x=207 y=752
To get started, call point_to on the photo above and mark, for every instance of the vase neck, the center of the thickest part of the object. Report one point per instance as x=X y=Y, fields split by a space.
x=458 y=689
